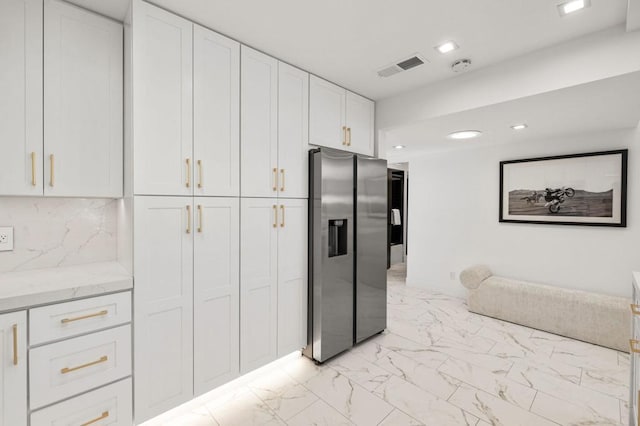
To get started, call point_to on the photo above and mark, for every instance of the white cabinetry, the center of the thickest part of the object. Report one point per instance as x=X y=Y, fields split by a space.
x=163 y=299
x=216 y=292
x=273 y=274
x=216 y=113
x=340 y=119
x=82 y=102
x=13 y=379
x=21 y=97
x=259 y=124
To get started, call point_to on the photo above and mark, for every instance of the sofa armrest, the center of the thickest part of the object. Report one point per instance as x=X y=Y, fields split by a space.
x=473 y=276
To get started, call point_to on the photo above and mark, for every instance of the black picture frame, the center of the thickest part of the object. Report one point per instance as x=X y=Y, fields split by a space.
x=530 y=189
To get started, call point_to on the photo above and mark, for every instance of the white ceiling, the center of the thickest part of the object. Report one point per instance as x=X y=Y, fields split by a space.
x=347 y=41
x=603 y=105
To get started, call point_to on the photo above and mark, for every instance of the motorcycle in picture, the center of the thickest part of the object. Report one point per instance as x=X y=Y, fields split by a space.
x=555 y=197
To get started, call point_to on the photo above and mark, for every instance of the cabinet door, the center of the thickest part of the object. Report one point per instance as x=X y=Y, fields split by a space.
x=82 y=102
x=163 y=110
x=258 y=275
x=292 y=276
x=13 y=379
x=163 y=304
x=21 y=97
x=360 y=116
x=293 y=131
x=259 y=124
x=216 y=113
x=326 y=114
x=216 y=289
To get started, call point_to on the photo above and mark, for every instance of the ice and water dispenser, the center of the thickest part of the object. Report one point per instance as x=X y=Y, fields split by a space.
x=337 y=237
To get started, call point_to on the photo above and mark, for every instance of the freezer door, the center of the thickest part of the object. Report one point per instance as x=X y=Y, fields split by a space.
x=371 y=247
x=332 y=250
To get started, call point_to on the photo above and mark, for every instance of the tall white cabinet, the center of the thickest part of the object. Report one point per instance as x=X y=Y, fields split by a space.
x=13 y=371
x=21 y=100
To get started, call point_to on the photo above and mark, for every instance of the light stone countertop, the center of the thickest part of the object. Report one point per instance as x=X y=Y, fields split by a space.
x=50 y=285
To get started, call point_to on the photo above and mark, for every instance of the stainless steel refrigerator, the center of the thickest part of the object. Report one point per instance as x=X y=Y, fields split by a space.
x=347 y=251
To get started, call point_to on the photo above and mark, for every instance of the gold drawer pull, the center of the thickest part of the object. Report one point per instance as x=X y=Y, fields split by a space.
x=33 y=169
x=635 y=309
x=199 y=218
x=97 y=314
x=282 y=185
x=188 y=219
x=104 y=415
x=282 y=211
x=275 y=216
x=89 y=364
x=633 y=345
x=15 y=344
x=348 y=136
x=344 y=135
x=199 y=173
x=275 y=179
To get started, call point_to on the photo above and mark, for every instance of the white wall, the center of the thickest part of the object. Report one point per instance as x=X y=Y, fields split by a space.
x=453 y=211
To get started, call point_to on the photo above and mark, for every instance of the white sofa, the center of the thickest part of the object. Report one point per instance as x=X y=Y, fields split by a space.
x=594 y=318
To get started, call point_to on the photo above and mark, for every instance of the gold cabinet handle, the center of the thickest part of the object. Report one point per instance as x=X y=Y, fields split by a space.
x=348 y=136
x=33 y=169
x=633 y=346
x=15 y=344
x=282 y=211
x=635 y=309
x=103 y=416
x=188 y=219
x=199 y=218
x=282 y=174
x=83 y=317
x=89 y=364
x=188 y=183
x=275 y=179
x=199 y=173
x=52 y=174
x=275 y=216
x=344 y=135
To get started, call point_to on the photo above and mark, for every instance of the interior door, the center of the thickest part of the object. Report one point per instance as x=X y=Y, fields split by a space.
x=293 y=132
x=216 y=114
x=162 y=96
x=21 y=100
x=327 y=125
x=292 y=275
x=360 y=116
x=82 y=102
x=163 y=300
x=13 y=372
x=216 y=292
x=259 y=124
x=259 y=278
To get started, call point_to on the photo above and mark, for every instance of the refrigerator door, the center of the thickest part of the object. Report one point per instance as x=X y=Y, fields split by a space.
x=331 y=251
x=371 y=247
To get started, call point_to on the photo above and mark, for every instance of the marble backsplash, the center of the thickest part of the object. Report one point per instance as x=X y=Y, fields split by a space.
x=51 y=232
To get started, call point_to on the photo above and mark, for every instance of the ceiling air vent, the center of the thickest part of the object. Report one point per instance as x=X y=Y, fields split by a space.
x=403 y=65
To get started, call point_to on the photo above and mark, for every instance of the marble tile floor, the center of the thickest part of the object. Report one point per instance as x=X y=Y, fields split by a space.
x=436 y=364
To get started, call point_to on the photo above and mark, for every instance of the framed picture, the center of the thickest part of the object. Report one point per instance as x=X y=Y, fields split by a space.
x=580 y=189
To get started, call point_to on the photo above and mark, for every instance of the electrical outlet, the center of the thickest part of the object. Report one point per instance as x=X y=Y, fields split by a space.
x=6 y=238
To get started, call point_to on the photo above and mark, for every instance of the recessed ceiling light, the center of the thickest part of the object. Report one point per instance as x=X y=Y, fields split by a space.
x=572 y=6
x=519 y=126
x=399 y=146
x=446 y=47
x=465 y=134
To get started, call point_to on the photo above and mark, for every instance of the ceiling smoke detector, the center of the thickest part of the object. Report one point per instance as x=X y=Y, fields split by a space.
x=402 y=65
x=461 y=65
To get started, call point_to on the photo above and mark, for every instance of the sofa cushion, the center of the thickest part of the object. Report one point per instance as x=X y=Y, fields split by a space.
x=473 y=276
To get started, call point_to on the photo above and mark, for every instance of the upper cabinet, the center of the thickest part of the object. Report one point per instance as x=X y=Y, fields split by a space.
x=163 y=102
x=340 y=119
x=82 y=103
x=78 y=97
x=216 y=113
x=274 y=129
x=21 y=97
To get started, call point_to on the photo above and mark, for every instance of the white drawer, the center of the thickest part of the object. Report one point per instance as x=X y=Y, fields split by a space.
x=67 y=368
x=69 y=319
x=110 y=405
